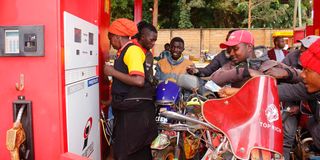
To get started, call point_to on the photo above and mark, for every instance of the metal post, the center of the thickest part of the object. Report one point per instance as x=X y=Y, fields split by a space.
x=295 y=14
x=299 y=13
x=155 y=13
x=249 y=14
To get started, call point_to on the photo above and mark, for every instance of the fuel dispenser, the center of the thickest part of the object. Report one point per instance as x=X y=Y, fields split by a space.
x=82 y=90
x=52 y=53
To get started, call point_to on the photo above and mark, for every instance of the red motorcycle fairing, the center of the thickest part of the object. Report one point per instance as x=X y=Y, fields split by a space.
x=250 y=119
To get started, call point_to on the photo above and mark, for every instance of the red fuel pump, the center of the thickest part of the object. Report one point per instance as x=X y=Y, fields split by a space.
x=51 y=53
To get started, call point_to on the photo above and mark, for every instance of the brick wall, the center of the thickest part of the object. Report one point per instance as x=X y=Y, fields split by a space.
x=199 y=39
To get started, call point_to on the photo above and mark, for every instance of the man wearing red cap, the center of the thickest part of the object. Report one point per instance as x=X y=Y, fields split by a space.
x=132 y=92
x=309 y=90
x=244 y=63
x=291 y=115
x=310 y=61
x=218 y=61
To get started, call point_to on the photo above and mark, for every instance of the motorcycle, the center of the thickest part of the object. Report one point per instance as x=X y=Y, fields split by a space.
x=303 y=139
x=174 y=140
x=249 y=122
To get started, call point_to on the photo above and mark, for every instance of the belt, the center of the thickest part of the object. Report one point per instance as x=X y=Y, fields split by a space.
x=118 y=97
x=122 y=98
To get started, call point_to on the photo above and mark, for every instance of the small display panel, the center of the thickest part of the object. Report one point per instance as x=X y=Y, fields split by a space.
x=12 y=42
x=21 y=41
x=30 y=42
x=77 y=35
x=90 y=38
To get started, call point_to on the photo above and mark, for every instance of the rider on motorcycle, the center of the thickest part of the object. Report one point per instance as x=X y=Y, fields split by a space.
x=218 y=61
x=308 y=90
x=244 y=63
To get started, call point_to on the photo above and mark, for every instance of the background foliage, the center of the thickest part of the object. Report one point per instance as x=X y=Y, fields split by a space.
x=215 y=13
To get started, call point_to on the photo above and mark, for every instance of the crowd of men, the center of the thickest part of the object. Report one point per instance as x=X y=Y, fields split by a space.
x=297 y=74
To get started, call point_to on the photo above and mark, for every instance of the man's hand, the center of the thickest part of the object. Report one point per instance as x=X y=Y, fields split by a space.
x=192 y=69
x=293 y=110
x=254 y=73
x=227 y=91
x=108 y=70
x=278 y=73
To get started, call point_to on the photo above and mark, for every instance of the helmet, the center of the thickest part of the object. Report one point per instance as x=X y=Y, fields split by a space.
x=167 y=93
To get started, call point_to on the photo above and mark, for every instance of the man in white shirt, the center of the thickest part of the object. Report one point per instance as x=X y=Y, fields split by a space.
x=278 y=53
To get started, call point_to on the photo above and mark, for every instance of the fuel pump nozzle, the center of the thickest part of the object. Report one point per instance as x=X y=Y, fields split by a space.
x=16 y=136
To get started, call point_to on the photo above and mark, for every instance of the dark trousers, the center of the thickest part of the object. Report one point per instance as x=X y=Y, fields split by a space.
x=290 y=125
x=134 y=129
x=314 y=128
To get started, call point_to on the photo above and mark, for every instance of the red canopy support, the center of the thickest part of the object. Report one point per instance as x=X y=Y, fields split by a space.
x=137 y=10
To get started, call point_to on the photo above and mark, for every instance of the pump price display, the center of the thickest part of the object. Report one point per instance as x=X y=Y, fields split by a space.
x=12 y=41
x=77 y=35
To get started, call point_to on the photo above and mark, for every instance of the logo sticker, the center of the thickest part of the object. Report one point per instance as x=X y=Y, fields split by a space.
x=93 y=81
x=86 y=132
x=272 y=113
x=232 y=37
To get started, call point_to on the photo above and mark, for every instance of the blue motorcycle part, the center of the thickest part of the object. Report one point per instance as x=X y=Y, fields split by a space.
x=167 y=93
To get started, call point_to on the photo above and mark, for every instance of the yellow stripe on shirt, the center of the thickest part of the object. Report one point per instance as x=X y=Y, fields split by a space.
x=134 y=59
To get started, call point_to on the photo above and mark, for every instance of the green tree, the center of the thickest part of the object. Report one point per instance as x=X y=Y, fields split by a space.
x=125 y=9
x=184 y=21
x=215 y=14
x=271 y=13
x=168 y=15
x=121 y=9
x=224 y=14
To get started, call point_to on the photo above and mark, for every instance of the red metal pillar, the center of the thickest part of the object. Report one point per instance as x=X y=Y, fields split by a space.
x=316 y=17
x=137 y=10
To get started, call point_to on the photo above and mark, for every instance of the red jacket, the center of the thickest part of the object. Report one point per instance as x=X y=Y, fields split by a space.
x=272 y=54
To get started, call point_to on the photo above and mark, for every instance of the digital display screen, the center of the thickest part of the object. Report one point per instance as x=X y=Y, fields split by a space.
x=77 y=35
x=12 y=42
x=90 y=38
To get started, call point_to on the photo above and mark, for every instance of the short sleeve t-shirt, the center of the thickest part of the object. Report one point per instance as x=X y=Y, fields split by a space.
x=134 y=59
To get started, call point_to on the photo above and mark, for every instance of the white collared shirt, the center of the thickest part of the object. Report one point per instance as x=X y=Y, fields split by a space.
x=279 y=54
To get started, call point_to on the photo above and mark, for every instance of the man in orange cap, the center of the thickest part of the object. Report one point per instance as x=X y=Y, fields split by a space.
x=132 y=92
x=123 y=27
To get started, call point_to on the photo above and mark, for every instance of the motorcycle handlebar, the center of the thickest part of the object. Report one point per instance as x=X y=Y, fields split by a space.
x=180 y=117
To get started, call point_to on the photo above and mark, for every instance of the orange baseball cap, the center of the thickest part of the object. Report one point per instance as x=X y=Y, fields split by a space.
x=123 y=27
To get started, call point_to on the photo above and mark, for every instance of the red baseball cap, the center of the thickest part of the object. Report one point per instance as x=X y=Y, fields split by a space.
x=236 y=37
x=311 y=57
